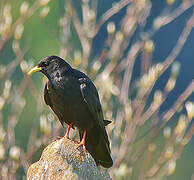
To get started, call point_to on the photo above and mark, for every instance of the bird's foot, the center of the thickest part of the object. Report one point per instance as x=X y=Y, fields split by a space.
x=82 y=145
x=67 y=137
x=83 y=142
x=59 y=137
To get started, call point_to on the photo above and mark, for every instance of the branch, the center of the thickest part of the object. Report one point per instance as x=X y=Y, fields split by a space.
x=115 y=9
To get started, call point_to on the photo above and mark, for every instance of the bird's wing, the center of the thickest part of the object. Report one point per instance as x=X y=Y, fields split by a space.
x=46 y=96
x=91 y=98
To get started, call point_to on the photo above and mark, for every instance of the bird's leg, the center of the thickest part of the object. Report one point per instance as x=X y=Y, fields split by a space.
x=83 y=141
x=68 y=130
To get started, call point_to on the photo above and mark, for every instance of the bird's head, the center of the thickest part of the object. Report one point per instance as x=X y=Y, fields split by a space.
x=51 y=65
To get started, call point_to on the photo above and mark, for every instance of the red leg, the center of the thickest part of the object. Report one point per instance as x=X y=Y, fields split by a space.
x=83 y=141
x=68 y=130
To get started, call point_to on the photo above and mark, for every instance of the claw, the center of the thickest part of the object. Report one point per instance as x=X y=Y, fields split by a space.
x=59 y=137
x=83 y=141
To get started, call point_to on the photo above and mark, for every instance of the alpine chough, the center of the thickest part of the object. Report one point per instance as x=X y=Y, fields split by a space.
x=74 y=99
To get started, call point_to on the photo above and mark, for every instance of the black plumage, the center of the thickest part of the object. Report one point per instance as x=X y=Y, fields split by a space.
x=74 y=99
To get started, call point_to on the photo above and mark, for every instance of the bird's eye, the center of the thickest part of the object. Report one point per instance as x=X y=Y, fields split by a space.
x=44 y=64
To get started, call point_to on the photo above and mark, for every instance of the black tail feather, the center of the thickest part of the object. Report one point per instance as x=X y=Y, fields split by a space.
x=98 y=147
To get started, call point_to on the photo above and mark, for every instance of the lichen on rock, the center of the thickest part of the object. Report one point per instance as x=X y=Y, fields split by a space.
x=62 y=160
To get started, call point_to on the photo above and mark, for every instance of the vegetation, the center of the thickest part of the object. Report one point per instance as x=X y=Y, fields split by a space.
x=114 y=44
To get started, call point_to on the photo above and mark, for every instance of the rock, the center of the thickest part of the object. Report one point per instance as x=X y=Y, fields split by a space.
x=62 y=160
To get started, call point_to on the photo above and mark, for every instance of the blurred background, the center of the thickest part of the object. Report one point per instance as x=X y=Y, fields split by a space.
x=139 y=53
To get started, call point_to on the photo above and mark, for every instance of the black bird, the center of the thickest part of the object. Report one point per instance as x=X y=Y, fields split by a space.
x=74 y=99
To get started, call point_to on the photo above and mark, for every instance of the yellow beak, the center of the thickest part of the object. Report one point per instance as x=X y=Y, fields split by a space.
x=34 y=69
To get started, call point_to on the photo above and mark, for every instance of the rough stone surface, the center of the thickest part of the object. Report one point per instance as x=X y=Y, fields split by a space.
x=63 y=160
